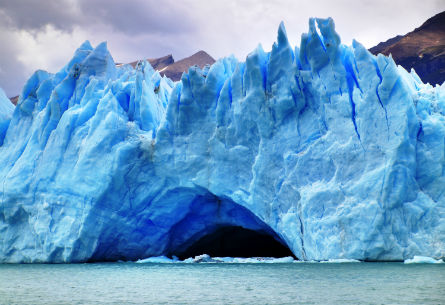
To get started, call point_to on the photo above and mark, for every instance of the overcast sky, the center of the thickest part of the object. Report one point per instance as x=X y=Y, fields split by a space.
x=43 y=34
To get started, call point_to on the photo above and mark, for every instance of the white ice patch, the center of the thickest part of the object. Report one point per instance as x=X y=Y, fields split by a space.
x=255 y=260
x=341 y=260
x=158 y=260
x=331 y=261
x=423 y=260
x=205 y=258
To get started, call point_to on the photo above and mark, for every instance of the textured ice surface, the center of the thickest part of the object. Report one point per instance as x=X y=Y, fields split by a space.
x=334 y=151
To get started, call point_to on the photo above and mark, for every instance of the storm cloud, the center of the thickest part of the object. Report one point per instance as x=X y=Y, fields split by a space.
x=131 y=17
x=44 y=34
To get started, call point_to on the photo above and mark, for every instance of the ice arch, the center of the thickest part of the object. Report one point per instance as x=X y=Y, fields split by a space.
x=189 y=222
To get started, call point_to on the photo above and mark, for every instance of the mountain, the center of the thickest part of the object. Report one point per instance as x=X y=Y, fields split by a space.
x=325 y=149
x=14 y=99
x=422 y=49
x=173 y=70
x=157 y=63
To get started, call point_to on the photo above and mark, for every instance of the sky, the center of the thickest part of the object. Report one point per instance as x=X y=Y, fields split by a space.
x=43 y=34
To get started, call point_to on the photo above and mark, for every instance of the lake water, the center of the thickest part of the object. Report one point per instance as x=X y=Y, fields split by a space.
x=207 y=283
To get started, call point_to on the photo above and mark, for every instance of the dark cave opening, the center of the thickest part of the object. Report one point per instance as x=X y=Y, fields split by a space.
x=235 y=241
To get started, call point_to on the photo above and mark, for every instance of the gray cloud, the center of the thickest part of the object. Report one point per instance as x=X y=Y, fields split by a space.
x=139 y=16
x=131 y=17
x=12 y=71
x=34 y=15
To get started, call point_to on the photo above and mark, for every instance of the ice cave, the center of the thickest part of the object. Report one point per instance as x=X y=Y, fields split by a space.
x=208 y=224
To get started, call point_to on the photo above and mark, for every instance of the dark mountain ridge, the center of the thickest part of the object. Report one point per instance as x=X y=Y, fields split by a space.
x=158 y=63
x=167 y=66
x=175 y=70
x=422 y=49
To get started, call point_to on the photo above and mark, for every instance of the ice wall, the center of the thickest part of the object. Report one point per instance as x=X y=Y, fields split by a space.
x=6 y=110
x=336 y=152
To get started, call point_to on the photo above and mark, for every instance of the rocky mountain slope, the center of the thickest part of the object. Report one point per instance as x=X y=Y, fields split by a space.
x=422 y=49
x=175 y=70
x=167 y=66
x=158 y=63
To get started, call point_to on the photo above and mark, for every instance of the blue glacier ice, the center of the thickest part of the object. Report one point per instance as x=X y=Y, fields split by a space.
x=6 y=110
x=335 y=152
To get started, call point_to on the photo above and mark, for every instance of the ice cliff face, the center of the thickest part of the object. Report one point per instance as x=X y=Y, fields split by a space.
x=335 y=151
x=6 y=110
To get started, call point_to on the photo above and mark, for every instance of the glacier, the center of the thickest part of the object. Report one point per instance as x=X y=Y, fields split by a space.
x=335 y=152
x=6 y=110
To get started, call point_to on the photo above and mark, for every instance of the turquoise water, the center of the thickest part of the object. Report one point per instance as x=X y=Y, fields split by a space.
x=294 y=283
